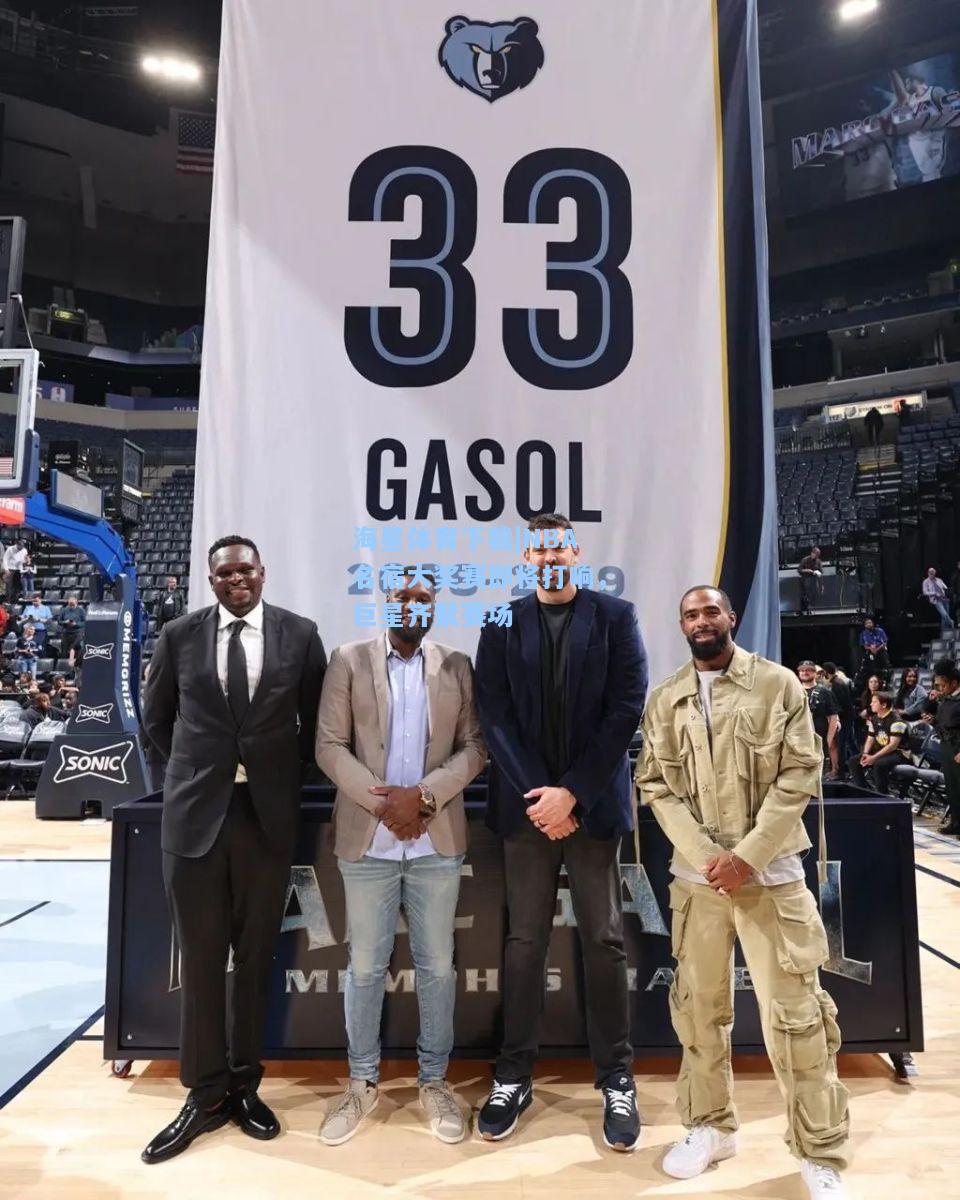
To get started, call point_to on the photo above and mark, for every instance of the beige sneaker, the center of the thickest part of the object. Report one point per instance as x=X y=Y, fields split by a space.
x=347 y=1111
x=443 y=1113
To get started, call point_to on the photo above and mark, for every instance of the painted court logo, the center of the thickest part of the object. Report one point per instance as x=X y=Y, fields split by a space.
x=105 y=652
x=491 y=60
x=108 y=763
x=94 y=712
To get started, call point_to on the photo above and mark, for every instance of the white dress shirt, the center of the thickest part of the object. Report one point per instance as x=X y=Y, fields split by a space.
x=251 y=638
x=408 y=736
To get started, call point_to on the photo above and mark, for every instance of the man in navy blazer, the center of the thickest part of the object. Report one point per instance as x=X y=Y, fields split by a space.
x=560 y=694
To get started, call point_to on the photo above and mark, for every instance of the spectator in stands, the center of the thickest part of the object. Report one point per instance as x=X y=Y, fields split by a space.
x=810 y=571
x=28 y=575
x=935 y=590
x=884 y=747
x=14 y=558
x=875 y=643
x=42 y=708
x=62 y=691
x=910 y=696
x=946 y=686
x=873 y=423
x=37 y=614
x=823 y=709
x=874 y=684
x=72 y=621
x=171 y=605
x=4 y=618
x=29 y=650
x=845 y=698
x=24 y=681
x=927 y=718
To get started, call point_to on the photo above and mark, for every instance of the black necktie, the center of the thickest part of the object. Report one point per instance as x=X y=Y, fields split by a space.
x=238 y=688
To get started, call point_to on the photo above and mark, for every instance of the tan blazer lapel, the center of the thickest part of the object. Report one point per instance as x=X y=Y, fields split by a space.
x=432 y=662
x=381 y=686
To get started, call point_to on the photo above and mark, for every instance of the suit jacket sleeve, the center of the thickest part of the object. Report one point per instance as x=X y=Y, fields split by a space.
x=334 y=738
x=468 y=755
x=311 y=684
x=521 y=763
x=624 y=695
x=161 y=696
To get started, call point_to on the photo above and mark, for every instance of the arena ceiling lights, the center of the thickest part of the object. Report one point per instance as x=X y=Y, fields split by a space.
x=171 y=68
x=853 y=10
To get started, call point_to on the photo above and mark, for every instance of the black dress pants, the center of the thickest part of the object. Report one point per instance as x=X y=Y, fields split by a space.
x=532 y=866
x=877 y=776
x=232 y=896
x=951 y=779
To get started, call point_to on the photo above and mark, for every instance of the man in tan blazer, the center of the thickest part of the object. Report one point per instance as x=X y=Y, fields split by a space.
x=398 y=734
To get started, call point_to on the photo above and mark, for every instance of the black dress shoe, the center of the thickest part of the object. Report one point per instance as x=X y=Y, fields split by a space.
x=190 y=1122
x=949 y=826
x=253 y=1116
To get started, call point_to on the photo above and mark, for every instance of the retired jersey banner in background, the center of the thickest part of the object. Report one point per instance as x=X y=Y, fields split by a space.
x=468 y=266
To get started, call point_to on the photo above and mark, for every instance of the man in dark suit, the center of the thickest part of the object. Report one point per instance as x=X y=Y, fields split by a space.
x=231 y=703
x=560 y=694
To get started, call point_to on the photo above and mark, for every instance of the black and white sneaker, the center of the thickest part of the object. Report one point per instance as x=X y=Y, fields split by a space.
x=502 y=1108
x=621 y=1120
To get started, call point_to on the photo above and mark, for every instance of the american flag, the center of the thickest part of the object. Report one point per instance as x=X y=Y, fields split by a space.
x=195 y=136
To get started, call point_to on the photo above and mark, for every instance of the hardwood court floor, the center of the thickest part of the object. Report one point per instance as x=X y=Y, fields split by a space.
x=75 y=1132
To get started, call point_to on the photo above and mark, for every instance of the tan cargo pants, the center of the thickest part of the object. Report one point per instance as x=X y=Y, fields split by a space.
x=784 y=943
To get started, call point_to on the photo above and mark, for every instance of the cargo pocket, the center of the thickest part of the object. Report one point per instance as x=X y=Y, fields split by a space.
x=757 y=747
x=801 y=937
x=681 y=1002
x=821 y=1123
x=830 y=1027
x=799 y=1038
x=679 y=911
x=674 y=777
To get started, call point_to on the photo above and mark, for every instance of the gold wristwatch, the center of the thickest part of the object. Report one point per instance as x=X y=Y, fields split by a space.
x=428 y=802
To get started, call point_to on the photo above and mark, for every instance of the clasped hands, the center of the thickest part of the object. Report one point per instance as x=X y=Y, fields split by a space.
x=400 y=811
x=725 y=872
x=552 y=812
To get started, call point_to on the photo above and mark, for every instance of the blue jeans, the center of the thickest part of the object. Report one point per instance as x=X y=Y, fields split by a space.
x=946 y=621
x=428 y=889
x=27 y=664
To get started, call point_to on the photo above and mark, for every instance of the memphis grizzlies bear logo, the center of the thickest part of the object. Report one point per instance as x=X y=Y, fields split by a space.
x=491 y=60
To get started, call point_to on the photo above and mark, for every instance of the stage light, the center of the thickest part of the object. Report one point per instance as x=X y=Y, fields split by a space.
x=853 y=10
x=170 y=68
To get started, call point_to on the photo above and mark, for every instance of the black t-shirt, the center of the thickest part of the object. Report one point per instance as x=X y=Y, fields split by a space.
x=948 y=719
x=554 y=640
x=843 y=695
x=882 y=729
x=822 y=707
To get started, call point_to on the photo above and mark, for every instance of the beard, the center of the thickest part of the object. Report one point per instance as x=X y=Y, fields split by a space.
x=712 y=648
x=412 y=635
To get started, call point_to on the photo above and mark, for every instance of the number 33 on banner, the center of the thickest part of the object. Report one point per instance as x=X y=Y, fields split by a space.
x=433 y=264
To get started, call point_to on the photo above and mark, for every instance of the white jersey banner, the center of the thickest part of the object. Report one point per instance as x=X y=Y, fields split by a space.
x=467 y=267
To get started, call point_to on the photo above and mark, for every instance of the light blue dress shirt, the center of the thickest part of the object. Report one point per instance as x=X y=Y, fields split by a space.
x=408 y=735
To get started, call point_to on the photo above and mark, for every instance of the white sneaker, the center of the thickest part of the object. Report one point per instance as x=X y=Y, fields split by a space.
x=702 y=1146
x=823 y=1183
x=443 y=1113
x=346 y=1113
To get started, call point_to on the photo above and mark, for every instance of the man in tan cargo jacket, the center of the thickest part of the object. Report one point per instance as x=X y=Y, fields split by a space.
x=729 y=763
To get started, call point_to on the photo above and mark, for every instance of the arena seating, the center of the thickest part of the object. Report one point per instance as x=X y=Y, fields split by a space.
x=815 y=496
